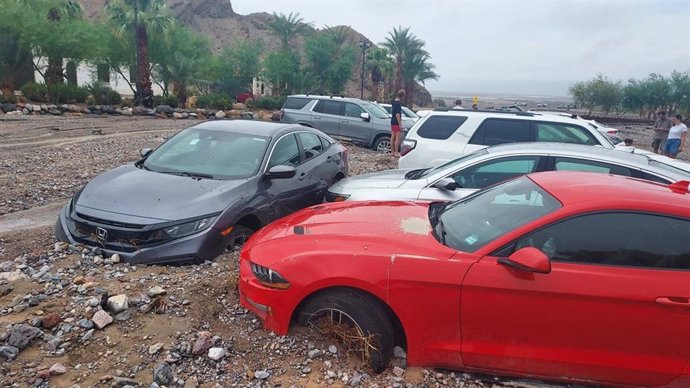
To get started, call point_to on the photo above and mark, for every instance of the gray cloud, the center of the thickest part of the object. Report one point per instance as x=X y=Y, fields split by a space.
x=528 y=46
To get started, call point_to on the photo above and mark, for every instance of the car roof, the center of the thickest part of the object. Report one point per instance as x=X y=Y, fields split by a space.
x=571 y=187
x=567 y=148
x=250 y=127
x=321 y=97
x=505 y=114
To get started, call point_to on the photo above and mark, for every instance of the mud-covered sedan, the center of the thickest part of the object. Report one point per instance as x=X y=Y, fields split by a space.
x=566 y=276
x=207 y=188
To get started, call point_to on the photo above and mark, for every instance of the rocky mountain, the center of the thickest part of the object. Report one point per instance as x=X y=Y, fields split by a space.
x=217 y=20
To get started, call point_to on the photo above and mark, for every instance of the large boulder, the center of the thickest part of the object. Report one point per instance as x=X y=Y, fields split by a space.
x=20 y=336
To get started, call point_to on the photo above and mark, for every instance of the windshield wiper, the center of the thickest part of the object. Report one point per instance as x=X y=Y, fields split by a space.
x=196 y=175
x=415 y=174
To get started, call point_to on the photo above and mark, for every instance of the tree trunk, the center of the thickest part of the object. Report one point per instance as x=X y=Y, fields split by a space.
x=146 y=92
x=54 y=73
x=397 y=85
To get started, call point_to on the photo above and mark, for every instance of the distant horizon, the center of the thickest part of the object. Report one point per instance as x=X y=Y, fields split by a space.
x=493 y=95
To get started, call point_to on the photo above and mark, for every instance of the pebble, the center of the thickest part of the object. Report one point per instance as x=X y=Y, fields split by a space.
x=8 y=352
x=118 y=303
x=57 y=369
x=333 y=349
x=155 y=291
x=51 y=320
x=21 y=335
x=162 y=374
x=153 y=349
x=102 y=319
x=203 y=342
x=216 y=353
x=262 y=375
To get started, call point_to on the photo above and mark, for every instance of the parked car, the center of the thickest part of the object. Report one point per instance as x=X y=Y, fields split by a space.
x=243 y=95
x=350 y=119
x=565 y=276
x=408 y=116
x=612 y=132
x=207 y=188
x=485 y=167
x=446 y=134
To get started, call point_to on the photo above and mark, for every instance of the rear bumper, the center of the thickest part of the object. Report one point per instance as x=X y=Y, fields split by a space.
x=205 y=245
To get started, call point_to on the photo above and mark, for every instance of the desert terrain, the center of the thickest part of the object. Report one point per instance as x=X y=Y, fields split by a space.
x=49 y=291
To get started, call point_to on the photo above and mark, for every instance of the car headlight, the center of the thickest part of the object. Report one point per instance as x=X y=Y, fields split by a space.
x=185 y=229
x=269 y=278
x=336 y=197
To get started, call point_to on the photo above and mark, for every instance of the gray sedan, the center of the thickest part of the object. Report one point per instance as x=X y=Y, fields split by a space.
x=463 y=176
x=207 y=188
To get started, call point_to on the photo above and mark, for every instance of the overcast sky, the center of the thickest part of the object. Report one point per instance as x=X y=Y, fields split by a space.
x=517 y=46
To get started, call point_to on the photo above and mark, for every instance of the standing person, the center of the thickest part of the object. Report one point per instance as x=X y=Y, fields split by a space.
x=458 y=104
x=676 y=137
x=661 y=127
x=396 y=122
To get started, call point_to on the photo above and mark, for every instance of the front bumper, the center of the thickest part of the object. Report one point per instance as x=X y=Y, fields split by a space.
x=272 y=306
x=205 y=245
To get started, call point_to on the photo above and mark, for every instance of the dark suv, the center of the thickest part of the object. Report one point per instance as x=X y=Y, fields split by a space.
x=351 y=119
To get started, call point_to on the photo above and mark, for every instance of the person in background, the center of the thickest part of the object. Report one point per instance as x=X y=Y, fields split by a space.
x=676 y=137
x=661 y=127
x=474 y=107
x=396 y=122
x=458 y=104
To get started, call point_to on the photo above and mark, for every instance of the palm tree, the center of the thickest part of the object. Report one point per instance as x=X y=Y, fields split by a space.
x=380 y=66
x=401 y=43
x=285 y=27
x=64 y=10
x=417 y=69
x=144 y=16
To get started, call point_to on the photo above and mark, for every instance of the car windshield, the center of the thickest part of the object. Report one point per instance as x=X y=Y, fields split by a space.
x=452 y=163
x=409 y=113
x=473 y=222
x=206 y=153
x=375 y=110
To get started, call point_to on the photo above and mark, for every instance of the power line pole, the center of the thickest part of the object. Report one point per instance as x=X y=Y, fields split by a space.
x=364 y=44
x=137 y=94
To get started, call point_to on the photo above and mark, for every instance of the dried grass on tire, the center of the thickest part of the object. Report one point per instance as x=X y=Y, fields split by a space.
x=350 y=337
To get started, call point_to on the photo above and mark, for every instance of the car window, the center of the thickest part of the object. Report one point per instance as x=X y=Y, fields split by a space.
x=388 y=108
x=473 y=222
x=285 y=152
x=574 y=164
x=655 y=178
x=407 y=112
x=501 y=131
x=311 y=145
x=325 y=143
x=295 y=103
x=375 y=110
x=352 y=110
x=440 y=127
x=620 y=239
x=329 y=107
x=494 y=171
x=563 y=133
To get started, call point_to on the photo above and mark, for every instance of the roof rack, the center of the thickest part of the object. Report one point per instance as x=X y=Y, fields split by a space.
x=446 y=109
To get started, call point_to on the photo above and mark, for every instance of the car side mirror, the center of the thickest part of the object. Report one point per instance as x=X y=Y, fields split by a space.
x=280 y=172
x=528 y=259
x=365 y=116
x=144 y=152
x=446 y=184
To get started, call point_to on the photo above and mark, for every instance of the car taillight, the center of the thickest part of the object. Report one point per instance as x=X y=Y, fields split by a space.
x=344 y=152
x=612 y=131
x=407 y=146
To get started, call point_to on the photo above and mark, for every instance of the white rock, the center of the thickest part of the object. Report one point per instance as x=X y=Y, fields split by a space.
x=333 y=349
x=262 y=374
x=118 y=303
x=13 y=276
x=220 y=114
x=115 y=258
x=216 y=353
x=102 y=319
x=57 y=369
x=155 y=291
x=153 y=349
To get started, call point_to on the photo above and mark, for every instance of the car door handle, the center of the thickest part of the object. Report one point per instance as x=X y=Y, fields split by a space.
x=302 y=176
x=673 y=301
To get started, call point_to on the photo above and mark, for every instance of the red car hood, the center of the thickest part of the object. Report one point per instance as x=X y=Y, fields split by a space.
x=360 y=228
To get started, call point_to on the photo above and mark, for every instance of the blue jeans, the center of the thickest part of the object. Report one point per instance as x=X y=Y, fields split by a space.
x=672 y=146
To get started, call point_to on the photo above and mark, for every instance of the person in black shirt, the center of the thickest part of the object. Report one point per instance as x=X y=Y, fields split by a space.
x=396 y=123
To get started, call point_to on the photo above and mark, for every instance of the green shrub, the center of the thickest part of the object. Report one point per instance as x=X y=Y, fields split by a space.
x=269 y=102
x=170 y=101
x=68 y=94
x=103 y=95
x=214 y=101
x=35 y=92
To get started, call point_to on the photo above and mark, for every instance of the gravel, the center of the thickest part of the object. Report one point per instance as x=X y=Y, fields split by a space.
x=172 y=326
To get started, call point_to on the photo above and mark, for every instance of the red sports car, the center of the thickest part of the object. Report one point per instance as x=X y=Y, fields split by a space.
x=561 y=276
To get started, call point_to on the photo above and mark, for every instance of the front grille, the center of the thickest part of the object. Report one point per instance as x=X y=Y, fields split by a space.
x=112 y=237
x=109 y=222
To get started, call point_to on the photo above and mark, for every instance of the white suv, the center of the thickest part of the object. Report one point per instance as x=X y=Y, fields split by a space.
x=446 y=134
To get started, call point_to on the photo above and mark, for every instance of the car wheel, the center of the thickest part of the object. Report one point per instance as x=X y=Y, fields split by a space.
x=383 y=144
x=357 y=320
x=238 y=237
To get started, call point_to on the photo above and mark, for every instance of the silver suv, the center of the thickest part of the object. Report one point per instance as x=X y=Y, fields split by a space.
x=350 y=119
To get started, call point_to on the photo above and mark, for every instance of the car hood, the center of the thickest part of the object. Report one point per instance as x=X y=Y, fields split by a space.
x=130 y=194
x=378 y=228
x=388 y=179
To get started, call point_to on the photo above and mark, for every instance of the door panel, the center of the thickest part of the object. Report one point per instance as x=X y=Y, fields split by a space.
x=615 y=307
x=326 y=116
x=352 y=126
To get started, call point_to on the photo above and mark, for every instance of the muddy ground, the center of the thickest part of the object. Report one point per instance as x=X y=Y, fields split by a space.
x=44 y=160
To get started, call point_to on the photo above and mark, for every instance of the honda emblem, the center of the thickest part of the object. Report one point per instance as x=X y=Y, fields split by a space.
x=101 y=233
